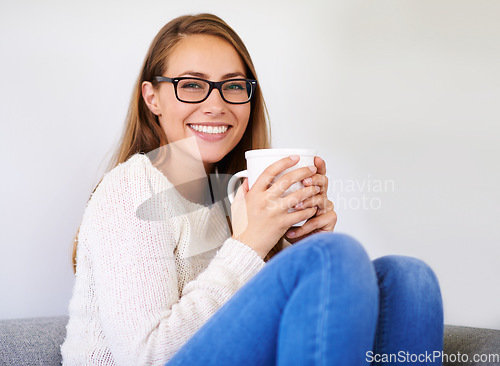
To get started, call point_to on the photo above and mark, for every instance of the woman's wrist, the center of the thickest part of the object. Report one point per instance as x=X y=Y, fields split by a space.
x=242 y=238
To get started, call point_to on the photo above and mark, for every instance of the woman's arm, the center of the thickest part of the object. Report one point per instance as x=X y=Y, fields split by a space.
x=144 y=318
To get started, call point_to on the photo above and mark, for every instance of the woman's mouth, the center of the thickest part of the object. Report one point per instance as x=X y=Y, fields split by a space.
x=210 y=132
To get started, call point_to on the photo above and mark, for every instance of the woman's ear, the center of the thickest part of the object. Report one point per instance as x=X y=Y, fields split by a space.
x=149 y=96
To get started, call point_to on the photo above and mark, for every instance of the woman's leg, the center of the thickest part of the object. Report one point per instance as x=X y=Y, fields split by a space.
x=410 y=325
x=313 y=304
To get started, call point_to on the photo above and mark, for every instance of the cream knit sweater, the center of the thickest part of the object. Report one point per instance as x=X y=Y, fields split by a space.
x=145 y=284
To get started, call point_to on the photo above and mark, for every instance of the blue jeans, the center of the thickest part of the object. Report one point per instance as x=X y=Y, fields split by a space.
x=323 y=302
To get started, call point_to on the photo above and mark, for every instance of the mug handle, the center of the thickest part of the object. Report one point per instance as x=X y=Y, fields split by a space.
x=232 y=183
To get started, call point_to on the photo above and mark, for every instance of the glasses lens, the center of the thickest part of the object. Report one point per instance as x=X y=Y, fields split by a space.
x=192 y=90
x=237 y=91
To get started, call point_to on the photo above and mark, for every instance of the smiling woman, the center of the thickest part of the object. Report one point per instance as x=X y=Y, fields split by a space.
x=143 y=132
x=162 y=275
x=209 y=57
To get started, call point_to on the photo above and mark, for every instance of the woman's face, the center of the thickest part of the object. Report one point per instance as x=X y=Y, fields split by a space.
x=212 y=58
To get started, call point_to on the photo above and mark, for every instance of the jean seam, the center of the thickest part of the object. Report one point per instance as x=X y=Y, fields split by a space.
x=325 y=289
x=379 y=339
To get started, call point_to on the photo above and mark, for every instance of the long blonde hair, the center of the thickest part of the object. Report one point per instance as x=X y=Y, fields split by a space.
x=143 y=132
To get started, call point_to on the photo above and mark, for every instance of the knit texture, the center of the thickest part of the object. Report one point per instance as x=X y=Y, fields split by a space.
x=152 y=268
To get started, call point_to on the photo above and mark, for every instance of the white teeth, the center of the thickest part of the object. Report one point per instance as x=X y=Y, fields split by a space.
x=209 y=129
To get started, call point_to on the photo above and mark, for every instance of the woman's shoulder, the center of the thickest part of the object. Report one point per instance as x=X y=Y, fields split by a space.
x=138 y=166
x=136 y=177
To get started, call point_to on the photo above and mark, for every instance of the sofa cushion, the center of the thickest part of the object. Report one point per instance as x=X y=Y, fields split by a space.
x=462 y=344
x=37 y=341
x=33 y=341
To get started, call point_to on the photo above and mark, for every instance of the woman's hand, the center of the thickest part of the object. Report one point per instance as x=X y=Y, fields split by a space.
x=260 y=215
x=325 y=217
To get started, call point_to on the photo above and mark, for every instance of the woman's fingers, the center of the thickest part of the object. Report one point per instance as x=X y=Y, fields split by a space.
x=287 y=180
x=298 y=216
x=242 y=191
x=324 y=222
x=266 y=180
x=317 y=180
x=319 y=200
x=299 y=196
x=268 y=175
x=320 y=164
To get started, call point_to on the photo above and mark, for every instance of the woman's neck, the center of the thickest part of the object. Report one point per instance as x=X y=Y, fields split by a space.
x=187 y=172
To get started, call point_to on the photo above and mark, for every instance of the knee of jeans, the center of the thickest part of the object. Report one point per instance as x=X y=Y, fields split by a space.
x=341 y=248
x=406 y=272
x=338 y=257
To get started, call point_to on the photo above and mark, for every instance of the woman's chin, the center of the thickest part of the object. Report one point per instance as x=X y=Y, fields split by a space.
x=210 y=159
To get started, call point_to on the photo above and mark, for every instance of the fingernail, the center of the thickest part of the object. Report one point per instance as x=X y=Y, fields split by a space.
x=295 y=157
x=291 y=234
x=299 y=205
x=317 y=189
x=308 y=180
x=313 y=168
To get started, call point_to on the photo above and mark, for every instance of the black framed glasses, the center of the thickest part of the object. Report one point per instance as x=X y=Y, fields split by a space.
x=196 y=90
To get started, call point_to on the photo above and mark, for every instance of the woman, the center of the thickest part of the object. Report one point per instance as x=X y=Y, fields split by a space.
x=154 y=276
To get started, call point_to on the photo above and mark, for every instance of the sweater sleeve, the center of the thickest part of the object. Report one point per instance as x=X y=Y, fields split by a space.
x=142 y=314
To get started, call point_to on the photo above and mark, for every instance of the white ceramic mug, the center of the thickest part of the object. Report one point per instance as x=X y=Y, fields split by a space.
x=259 y=160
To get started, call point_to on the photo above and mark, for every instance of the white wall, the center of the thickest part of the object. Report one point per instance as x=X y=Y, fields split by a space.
x=399 y=93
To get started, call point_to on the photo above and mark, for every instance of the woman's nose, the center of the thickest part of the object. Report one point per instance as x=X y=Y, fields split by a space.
x=214 y=103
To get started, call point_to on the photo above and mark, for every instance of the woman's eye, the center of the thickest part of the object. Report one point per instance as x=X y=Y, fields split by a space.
x=234 y=86
x=191 y=85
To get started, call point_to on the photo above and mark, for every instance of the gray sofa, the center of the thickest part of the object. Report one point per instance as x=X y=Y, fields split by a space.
x=36 y=341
